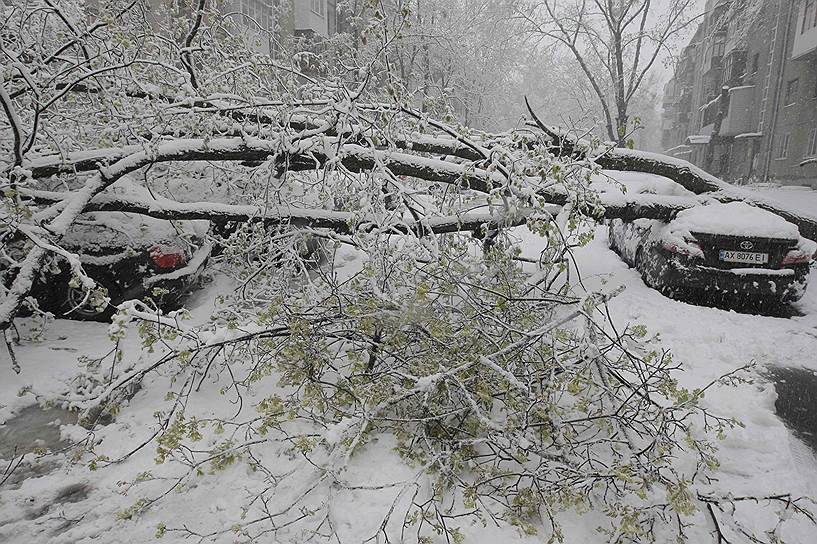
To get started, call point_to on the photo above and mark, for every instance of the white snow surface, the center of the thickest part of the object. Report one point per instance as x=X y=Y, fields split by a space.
x=637 y=183
x=762 y=458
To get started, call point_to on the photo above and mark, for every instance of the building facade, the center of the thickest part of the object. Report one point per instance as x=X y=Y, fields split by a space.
x=742 y=102
x=270 y=23
x=266 y=25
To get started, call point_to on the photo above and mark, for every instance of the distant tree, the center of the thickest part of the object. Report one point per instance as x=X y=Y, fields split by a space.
x=460 y=59
x=615 y=43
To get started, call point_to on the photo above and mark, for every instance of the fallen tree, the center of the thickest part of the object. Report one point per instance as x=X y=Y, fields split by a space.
x=613 y=158
x=684 y=173
x=292 y=155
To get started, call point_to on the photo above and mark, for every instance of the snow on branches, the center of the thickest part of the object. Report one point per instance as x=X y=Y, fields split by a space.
x=378 y=294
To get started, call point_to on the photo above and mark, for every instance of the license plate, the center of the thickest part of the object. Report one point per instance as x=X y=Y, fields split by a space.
x=747 y=257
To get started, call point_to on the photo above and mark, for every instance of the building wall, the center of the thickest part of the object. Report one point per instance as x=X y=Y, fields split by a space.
x=264 y=22
x=796 y=107
x=281 y=20
x=311 y=16
x=796 y=119
x=805 y=34
x=765 y=111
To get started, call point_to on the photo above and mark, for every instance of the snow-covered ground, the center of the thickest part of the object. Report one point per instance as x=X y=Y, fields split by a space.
x=759 y=459
x=712 y=341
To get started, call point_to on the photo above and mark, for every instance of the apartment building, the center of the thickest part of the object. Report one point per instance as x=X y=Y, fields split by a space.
x=792 y=153
x=678 y=100
x=267 y=25
x=742 y=102
x=270 y=23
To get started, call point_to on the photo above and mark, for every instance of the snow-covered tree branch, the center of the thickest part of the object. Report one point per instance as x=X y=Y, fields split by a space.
x=379 y=298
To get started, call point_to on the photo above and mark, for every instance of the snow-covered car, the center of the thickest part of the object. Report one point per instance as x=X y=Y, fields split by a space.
x=721 y=251
x=130 y=255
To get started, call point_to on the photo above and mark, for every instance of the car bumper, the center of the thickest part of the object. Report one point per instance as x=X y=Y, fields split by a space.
x=785 y=285
x=169 y=287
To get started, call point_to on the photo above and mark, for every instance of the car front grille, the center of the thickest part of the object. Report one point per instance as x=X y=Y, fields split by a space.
x=712 y=244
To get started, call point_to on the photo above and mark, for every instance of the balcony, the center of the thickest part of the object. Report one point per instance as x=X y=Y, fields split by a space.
x=686 y=70
x=685 y=100
x=740 y=113
x=714 y=64
x=741 y=116
x=805 y=33
x=670 y=92
x=717 y=8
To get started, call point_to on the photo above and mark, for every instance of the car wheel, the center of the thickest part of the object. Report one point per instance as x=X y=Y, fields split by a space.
x=75 y=306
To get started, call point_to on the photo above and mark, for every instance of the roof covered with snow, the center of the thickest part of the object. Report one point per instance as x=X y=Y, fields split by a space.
x=749 y=135
x=699 y=139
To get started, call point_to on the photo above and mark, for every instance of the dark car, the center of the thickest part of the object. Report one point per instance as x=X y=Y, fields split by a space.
x=733 y=252
x=131 y=256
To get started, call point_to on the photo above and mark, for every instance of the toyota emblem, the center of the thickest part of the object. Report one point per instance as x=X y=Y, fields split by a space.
x=746 y=244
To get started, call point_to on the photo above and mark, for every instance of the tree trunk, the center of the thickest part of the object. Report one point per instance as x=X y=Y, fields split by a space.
x=621 y=100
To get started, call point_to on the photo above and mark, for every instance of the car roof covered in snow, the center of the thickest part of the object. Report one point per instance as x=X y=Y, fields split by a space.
x=100 y=232
x=734 y=219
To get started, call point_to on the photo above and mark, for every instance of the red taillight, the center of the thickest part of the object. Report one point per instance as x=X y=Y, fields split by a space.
x=795 y=256
x=167 y=257
x=688 y=248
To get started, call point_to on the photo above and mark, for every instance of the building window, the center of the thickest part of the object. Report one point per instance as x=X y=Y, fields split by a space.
x=783 y=146
x=718 y=48
x=809 y=16
x=791 y=91
x=318 y=7
x=811 y=151
x=257 y=15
